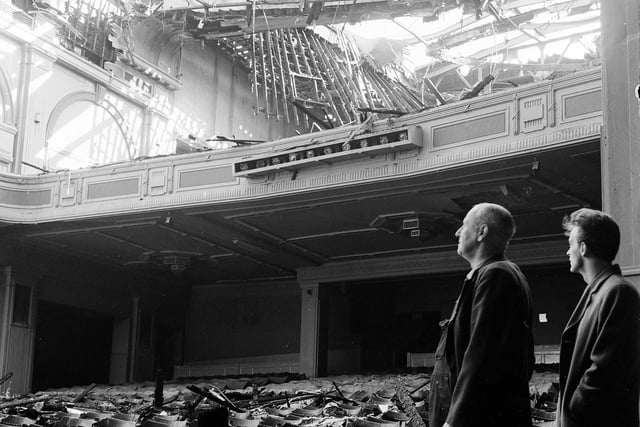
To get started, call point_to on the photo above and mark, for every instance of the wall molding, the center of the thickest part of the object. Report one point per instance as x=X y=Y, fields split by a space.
x=379 y=168
x=523 y=253
x=249 y=289
x=631 y=271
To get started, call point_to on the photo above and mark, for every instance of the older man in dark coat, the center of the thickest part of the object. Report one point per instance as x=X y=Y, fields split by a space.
x=600 y=349
x=485 y=357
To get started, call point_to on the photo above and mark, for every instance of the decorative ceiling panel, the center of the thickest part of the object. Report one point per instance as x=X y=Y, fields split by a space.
x=164 y=239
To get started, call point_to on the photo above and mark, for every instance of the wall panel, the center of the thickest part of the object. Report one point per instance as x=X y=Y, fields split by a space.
x=243 y=321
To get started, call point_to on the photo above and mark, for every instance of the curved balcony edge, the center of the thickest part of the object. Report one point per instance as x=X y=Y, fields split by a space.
x=537 y=117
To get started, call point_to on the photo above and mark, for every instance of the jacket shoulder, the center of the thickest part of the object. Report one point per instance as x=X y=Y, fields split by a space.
x=503 y=264
x=504 y=271
x=618 y=283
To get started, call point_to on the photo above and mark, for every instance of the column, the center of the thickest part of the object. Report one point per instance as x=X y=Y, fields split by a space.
x=6 y=297
x=17 y=328
x=22 y=102
x=621 y=130
x=145 y=143
x=309 y=300
x=133 y=337
x=120 y=343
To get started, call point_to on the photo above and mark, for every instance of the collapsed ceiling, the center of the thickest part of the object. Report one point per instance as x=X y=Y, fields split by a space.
x=313 y=61
x=322 y=64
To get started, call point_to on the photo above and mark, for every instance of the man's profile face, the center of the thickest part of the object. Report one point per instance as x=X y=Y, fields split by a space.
x=467 y=235
x=575 y=257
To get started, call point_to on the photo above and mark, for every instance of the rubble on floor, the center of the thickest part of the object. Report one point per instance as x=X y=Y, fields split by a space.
x=259 y=401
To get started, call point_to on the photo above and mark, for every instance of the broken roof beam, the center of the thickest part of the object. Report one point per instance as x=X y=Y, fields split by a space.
x=334 y=76
x=372 y=77
x=478 y=87
x=512 y=44
x=318 y=72
x=235 y=19
x=340 y=69
x=283 y=84
x=467 y=23
x=403 y=96
x=265 y=80
x=286 y=65
x=553 y=6
x=428 y=82
x=305 y=47
x=242 y=6
x=274 y=81
x=300 y=104
x=470 y=28
x=296 y=71
x=479 y=55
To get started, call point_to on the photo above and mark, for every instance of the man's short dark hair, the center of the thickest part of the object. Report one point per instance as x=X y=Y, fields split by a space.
x=597 y=230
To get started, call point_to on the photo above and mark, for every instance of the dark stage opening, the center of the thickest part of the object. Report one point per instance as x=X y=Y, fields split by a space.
x=370 y=326
x=72 y=347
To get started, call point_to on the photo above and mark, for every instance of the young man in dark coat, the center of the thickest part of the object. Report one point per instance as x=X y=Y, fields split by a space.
x=485 y=357
x=600 y=349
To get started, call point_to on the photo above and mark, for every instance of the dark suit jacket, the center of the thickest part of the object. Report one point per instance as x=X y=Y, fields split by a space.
x=491 y=350
x=600 y=356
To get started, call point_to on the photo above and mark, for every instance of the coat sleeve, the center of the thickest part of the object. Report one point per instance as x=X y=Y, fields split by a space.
x=614 y=354
x=497 y=308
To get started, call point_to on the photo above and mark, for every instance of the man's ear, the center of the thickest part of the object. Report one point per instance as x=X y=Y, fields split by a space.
x=483 y=232
x=583 y=249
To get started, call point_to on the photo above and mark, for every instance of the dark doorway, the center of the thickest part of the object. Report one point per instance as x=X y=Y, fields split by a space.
x=73 y=347
x=169 y=349
x=415 y=332
x=389 y=328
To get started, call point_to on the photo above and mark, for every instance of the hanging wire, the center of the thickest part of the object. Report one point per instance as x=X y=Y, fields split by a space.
x=335 y=13
x=266 y=19
x=348 y=14
x=269 y=48
x=184 y=29
x=493 y=67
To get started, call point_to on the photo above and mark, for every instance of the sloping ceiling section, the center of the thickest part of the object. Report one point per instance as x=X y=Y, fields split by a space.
x=451 y=50
x=299 y=76
x=311 y=67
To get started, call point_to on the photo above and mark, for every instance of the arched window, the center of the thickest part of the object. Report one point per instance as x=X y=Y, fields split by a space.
x=84 y=133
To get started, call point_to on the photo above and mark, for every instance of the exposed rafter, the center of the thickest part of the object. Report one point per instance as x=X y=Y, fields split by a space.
x=313 y=78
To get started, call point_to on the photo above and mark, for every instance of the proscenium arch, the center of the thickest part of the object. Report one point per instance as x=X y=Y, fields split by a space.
x=93 y=98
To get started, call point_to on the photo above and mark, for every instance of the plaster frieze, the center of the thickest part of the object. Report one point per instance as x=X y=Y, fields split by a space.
x=360 y=172
x=364 y=171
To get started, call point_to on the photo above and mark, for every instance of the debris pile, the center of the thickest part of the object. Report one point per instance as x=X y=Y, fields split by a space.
x=262 y=401
x=544 y=391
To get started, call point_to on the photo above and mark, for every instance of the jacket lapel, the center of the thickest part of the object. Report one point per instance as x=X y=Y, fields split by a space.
x=581 y=307
x=586 y=298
